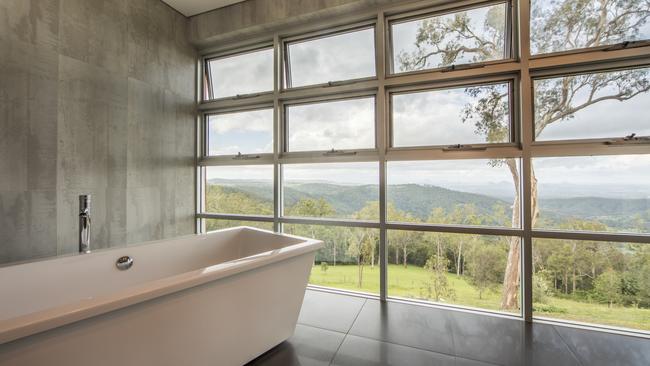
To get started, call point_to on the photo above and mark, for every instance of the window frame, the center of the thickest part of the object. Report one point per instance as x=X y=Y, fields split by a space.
x=284 y=118
x=205 y=71
x=510 y=47
x=514 y=132
x=596 y=69
x=285 y=75
x=206 y=128
x=521 y=67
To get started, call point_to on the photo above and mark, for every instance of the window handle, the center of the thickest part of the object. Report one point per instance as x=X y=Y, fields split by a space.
x=241 y=156
x=626 y=45
x=339 y=153
x=459 y=147
x=631 y=139
x=462 y=67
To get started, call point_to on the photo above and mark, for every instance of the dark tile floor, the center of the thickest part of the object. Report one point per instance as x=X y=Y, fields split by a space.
x=342 y=330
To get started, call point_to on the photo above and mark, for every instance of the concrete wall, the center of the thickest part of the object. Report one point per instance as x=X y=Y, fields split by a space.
x=255 y=18
x=96 y=96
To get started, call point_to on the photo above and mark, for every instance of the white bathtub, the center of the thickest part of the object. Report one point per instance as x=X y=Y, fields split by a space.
x=218 y=299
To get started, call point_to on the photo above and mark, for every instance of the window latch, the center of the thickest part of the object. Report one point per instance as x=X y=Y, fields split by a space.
x=629 y=140
x=241 y=156
x=462 y=67
x=626 y=45
x=459 y=147
x=339 y=153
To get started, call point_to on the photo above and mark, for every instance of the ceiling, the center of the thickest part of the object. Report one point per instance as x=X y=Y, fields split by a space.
x=193 y=7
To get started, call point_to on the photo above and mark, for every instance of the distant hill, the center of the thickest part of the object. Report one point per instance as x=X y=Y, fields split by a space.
x=419 y=200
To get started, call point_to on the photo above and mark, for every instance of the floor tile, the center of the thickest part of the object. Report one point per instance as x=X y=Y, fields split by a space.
x=330 y=311
x=307 y=347
x=358 y=351
x=597 y=348
x=544 y=346
x=488 y=338
x=409 y=325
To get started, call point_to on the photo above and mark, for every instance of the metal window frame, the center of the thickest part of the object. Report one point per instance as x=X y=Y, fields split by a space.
x=446 y=9
x=284 y=124
x=228 y=53
x=511 y=81
x=522 y=67
x=286 y=79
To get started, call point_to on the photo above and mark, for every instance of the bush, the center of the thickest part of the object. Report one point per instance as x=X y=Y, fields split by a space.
x=324 y=266
x=544 y=308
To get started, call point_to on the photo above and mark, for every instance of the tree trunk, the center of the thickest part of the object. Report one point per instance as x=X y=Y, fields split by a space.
x=573 y=275
x=334 y=254
x=511 y=276
x=460 y=254
x=404 y=255
x=396 y=255
x=566 y=282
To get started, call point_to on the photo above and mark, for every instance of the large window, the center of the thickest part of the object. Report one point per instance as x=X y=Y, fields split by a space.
x=565 y=25
x=593 y=193
x=332 y=190
x=472 y=35
x=240 y=132
x=458 y=192
x=448 y=268
x=594 y=105
x=443 y=156
x=233 y=75
x=452 y=116
x=339 y=125
x=327 y=58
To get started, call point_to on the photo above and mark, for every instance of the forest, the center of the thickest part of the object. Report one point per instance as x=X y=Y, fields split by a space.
x=578 y=280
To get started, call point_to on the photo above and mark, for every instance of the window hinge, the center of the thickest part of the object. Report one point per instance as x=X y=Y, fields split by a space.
x=629 y=140
x=339 y=153
x=459 y=147
x=241 y=156
x=462 y=67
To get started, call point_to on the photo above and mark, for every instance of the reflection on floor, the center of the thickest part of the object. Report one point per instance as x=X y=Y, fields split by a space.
x=336 y=329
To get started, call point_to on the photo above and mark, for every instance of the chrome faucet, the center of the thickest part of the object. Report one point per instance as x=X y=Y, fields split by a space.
x=84 y=223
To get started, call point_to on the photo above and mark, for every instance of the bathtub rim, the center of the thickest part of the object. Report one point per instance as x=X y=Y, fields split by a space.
x=40 y=321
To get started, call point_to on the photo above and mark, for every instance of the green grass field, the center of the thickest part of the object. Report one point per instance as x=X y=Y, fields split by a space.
x=407 y=283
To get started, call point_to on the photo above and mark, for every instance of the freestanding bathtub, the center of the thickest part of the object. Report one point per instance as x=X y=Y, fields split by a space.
x=222 y=298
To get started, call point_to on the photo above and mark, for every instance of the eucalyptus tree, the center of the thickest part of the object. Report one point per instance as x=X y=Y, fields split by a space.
x=557 y=25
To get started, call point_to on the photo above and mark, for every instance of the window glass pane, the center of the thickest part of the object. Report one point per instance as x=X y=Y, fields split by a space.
x=340 y=125
x=339 y=57
x=468 y=36
x=349 y=260
x=246 y=132
x=563 y=25
x=245 y=73
x=460 y=269
x=461 y=192
x=473 y=114
x=334 y=190
x=592 y=282
x=599 y=105
x=239 y=189
x=593 y=193
x=212 y=224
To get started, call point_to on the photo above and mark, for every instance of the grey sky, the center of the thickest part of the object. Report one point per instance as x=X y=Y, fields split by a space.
x=434 y=118
x=230 y=78
x=342 y=124
x=326 y=59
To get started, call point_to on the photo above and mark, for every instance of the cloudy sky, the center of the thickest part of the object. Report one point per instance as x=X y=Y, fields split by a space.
x=423 y=118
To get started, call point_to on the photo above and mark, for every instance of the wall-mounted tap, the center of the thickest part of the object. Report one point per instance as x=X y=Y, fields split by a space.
x=84 y=223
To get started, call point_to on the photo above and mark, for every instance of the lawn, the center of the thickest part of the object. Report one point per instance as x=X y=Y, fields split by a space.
x=408 y=283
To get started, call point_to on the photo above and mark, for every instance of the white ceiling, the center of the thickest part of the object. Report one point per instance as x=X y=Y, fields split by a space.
x=193 y=7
